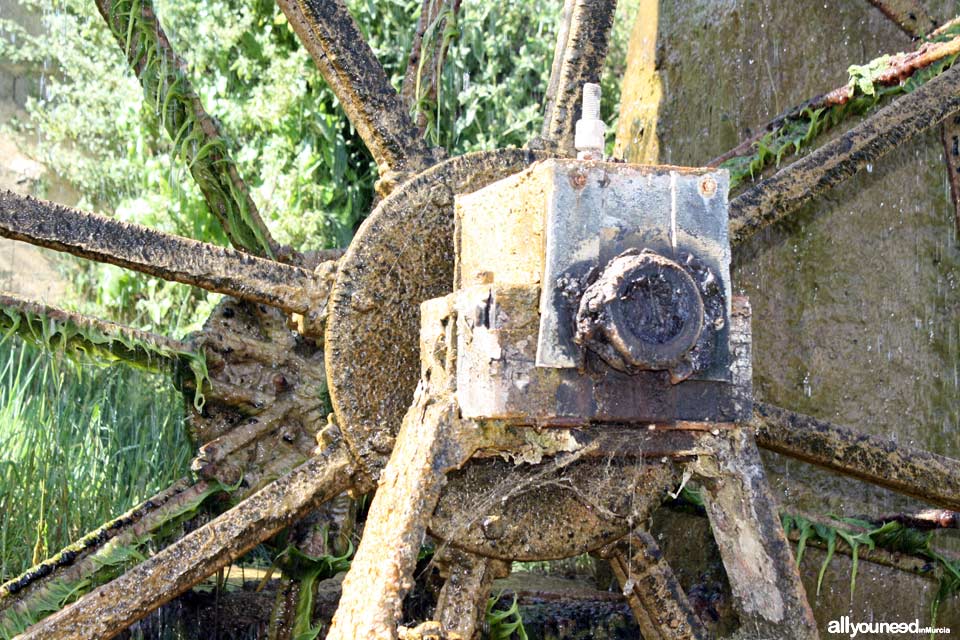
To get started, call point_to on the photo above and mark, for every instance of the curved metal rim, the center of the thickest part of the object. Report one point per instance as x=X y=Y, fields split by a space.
x=402 y=255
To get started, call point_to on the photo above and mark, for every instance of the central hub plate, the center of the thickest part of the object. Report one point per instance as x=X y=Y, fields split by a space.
x=558 y=220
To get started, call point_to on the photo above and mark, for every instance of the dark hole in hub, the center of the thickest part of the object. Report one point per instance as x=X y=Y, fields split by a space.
x=654 y=310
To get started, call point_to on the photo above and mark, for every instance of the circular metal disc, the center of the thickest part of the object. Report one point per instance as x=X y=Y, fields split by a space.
x=402 y=255
x=497 y=509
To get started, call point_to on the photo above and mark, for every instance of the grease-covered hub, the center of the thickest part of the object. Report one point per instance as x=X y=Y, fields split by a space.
x=644 y=311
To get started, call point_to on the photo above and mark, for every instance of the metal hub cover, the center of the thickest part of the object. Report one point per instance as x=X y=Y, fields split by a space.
x=402 y=255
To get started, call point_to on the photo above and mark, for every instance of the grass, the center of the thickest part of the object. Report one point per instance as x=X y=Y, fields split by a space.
x=79 y=444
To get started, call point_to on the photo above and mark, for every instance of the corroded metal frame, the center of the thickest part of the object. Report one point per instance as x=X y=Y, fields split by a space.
x=349 y=66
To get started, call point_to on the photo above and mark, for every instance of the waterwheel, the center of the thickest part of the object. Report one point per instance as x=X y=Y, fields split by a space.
x=293 y=325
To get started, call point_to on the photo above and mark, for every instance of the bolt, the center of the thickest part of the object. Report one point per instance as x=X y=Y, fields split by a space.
x=578 y=179
x=590 y=129
x=591 y=102
x=708 y=187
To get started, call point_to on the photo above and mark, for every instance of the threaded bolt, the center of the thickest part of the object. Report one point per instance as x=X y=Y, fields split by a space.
x=590 y=130
x=591 y=102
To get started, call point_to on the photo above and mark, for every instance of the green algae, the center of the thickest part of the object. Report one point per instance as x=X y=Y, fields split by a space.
x=797 y=131
x=104 y=343
x=206 y=154
x=106 y=563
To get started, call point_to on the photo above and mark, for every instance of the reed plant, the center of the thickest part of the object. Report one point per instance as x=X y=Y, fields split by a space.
x=79 y=444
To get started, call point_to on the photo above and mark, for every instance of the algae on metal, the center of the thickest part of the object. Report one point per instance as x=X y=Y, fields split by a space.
x=797 y=130
x=194 y=134
x=104 y=564
x=55 y=330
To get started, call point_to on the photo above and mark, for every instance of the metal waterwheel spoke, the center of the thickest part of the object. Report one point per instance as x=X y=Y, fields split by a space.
x=897 y=69
x=656 y=598
x=881 y=461
x=798 y=183
x=196 y=136
x=582 y=41
x=56 y=329
x=146 y=250
x=112 y=607
x=31 y=595
x=348 y=64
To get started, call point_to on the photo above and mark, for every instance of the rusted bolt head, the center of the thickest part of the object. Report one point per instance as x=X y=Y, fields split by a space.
x=708 y=186
x=578 y=179
x=643 y=312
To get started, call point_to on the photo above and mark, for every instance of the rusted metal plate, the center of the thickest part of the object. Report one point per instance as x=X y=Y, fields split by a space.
x=498 y=377
x=562 y=218
x=402 y=255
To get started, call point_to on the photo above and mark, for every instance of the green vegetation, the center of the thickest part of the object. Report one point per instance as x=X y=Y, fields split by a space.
x=892 y=536
x=797 y=131
x=106 y=563
x=504 y=624
x=103 y=345
x=308 y=570
x=80 y=444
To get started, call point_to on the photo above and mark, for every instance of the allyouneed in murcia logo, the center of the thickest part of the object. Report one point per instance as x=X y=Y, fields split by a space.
x=844 y=626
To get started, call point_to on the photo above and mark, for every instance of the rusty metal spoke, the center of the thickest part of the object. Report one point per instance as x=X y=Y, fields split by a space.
x=798 y=183
x=348 y=64
x=582 y=41
x=112 y=607
x=897 y=69
x=656 y=598
x=196 y=136
x=901 y=468
x=170 y=257
x=32 y=593
x=56 y=329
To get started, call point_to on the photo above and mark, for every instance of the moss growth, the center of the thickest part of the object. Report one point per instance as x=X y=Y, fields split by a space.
x=106 y=343
x=308 y=570
x=797 y=131
x=167 y=89
x=504 y=624
x=111 y=560
x=892 y=536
